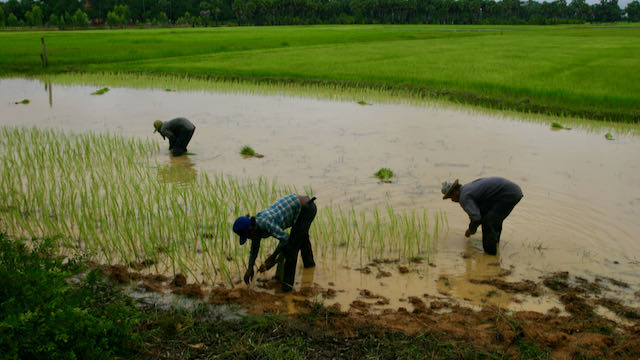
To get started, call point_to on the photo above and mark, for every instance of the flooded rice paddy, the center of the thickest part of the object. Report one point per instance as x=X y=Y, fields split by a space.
x=581 y=191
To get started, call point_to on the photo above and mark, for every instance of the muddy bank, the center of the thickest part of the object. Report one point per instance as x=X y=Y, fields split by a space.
x=577 y=327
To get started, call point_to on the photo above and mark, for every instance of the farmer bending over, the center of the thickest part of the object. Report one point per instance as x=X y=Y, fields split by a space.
x=295 y=211
x=178 y=131
x=487 y=201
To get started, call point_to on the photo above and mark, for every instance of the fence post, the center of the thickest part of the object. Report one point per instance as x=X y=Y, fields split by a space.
x=43 y=56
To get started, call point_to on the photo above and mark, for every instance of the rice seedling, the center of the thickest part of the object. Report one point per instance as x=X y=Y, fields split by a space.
x=100 y=91
x=99 y=195
x=609 y=136
x=248 y=152
x=558 y=126
x=384 y=175
x=24 y=102
x=362 y=102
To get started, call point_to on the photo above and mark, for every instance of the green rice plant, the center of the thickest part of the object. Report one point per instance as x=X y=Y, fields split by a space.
x=247 y=152
x=384 y=175
x=609 y=136
x=100 y=91
x=99 y=196
x=362 y=102
x=24 y=102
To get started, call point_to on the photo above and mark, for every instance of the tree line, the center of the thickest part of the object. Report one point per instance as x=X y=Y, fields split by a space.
x=123 y=13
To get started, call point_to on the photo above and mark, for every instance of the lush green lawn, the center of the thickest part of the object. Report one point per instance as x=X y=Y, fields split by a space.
x=590 y=71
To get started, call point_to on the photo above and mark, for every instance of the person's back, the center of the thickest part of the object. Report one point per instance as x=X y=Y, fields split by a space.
x=487 y=191
x=176 y=125
x=179 y=132
x=487 y=201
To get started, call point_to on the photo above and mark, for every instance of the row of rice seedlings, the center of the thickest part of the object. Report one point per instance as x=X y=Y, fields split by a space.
x=331 y=92
x=190 y=83
x=99 y=194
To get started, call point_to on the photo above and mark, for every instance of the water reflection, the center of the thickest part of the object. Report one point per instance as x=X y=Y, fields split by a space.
x=306 y=280
x=471 y=285
x=49 y=89
x=180 y=170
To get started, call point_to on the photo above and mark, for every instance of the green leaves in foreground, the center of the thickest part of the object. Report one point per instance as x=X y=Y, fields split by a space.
x=100 y=92
x=384 y=174
x=247 y=152
x=44 y=317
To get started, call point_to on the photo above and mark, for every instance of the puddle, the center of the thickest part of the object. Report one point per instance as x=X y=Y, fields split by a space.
x=581 y=195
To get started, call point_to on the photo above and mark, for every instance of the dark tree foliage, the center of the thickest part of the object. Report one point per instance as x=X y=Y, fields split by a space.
x=293 y=12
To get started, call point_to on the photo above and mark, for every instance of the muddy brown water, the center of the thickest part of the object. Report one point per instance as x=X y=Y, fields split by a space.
x=581 y=192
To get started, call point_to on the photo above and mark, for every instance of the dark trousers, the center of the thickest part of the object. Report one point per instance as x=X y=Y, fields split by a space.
x=181 y=142
x=299 y=242
x=492 y=223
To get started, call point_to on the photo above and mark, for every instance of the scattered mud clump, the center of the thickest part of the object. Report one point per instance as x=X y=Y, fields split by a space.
x=576 y=304
x=118 y=274
x=328 y=293
x=364 y=270
x=418 y=305
x=617 y=307
x=557 y=281
x=403 y=269
x=527 y=286
x=190 y=290
x=179 y=280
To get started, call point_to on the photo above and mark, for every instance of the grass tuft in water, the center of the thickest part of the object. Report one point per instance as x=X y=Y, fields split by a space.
x=247 y=151
x=609 y=136
x=100 y=92
x=25 y=102
x=362 y=102
x=384 y=174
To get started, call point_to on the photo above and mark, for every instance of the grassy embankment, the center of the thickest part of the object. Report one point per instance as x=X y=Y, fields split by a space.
x=587 y=71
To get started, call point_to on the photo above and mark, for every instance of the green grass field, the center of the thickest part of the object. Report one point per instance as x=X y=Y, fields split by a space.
x=584 y=71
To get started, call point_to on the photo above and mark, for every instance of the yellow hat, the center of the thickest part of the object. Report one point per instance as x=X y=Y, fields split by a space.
x=157 y=124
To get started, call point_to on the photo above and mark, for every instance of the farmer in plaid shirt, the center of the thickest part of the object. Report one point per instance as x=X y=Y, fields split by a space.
x=292 y=211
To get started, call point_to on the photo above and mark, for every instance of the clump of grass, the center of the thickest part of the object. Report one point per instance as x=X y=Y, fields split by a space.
x=247 y=151
x=558 y=126
x=100 y=92
x=24 y=101
x=168 y=90
x=609 y=136
x=362 y=102
x=384 y=174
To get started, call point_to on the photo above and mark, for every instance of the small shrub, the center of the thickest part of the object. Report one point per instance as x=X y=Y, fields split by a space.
x=42 y=316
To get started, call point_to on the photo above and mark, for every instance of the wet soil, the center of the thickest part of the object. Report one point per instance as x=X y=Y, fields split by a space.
x=576 y=330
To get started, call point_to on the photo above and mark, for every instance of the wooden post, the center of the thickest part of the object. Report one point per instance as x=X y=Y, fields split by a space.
x=43 y=56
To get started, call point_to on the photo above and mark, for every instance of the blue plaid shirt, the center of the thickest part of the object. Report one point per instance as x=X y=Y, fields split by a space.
x=272 y=221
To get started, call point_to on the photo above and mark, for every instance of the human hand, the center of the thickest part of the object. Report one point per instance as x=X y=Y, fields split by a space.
x=268 y=264
x=248 y=276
